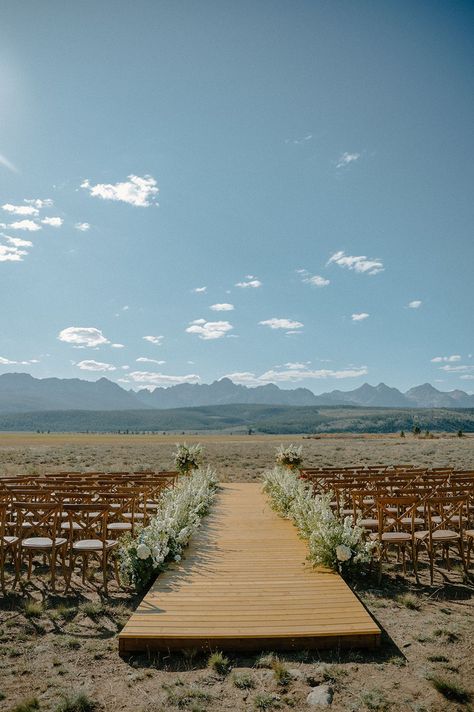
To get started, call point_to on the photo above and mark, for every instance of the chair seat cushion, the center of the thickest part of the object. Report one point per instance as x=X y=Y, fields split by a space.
x=469 y=533
x=122 y=526
x=368 y=523
x=42 y=542
x=10 y=540
x=93 y=545
x=394 y=537
x=438 y=535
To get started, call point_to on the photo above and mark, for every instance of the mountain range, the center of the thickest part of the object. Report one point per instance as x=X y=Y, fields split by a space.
x=22 y=393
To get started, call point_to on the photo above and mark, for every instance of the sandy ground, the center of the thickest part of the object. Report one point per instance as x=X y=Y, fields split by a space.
x=64 y=646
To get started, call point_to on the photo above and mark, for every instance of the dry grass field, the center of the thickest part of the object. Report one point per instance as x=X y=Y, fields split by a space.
x=59 y=654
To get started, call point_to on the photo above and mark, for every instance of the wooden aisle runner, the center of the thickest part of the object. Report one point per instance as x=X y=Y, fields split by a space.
x=244 y=584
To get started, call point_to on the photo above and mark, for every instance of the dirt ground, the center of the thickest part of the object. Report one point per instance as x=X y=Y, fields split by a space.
x=60 y=654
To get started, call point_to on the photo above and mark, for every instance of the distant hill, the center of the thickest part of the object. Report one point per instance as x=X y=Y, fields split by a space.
x=22 y=393
x=239 y=418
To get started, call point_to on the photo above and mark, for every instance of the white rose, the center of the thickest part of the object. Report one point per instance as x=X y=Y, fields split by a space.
x=343 y=552
x=143 y=551
x=177 y=557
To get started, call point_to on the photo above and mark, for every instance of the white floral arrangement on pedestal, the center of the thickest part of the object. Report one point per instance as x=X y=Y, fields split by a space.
x=178 y=516
x=187 y=457
x=333 y=541
x=289 y=456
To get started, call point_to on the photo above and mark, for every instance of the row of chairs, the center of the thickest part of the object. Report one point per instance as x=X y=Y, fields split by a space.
x=413 y=509
x=64 y=516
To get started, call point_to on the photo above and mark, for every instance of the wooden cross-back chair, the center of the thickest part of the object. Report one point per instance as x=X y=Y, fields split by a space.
x=88 y=536
x=122 y=507
x=8 y=544
x=42 y=522
x=396 y=527
x=445 y=519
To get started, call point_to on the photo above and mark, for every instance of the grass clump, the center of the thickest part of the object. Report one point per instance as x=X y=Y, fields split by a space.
x=92 y=609
x=409 y=601
x=79 y=702
x=265 y=660
x=281 y=673
x=375 y=701
x=243 y=680
x=29 y=705
x=450 y=689
x=266 y=701
x=33 y=609
x=72 y=643
x=448 y=635
x=63 y=612
x=219 y=663
x=438 y=659
x=186 y=698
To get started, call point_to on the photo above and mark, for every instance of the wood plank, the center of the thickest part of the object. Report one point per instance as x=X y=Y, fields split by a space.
x=245 y=584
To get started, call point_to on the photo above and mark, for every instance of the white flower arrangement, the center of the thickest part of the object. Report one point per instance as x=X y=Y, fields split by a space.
x=289 y=456
x=337 y=543
x=178 y=516
x=187 y=457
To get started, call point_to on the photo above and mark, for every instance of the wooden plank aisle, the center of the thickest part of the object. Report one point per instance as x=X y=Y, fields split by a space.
x=244 y=584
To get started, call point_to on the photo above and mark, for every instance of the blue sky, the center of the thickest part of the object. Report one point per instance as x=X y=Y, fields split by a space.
x=306 y=165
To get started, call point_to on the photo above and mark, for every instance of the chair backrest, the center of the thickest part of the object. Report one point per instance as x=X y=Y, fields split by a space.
x=42 y=518
x=446 y=513
x=396 y=514
x=87 y=521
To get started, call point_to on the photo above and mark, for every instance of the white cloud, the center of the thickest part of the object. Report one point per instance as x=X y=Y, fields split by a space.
x=314 y=280
x=148 y=379
x=467 y=377
x=157 y=340
x=415 y=304
x=209 y=330
x=294 y=366
x=346 y=158
x=456 y=369
x=144 y=359
x=39 y=203
x=138 y=191
x=292 y=375
x=20 y=209
x=11 y=254
x=360 y=317
x=250 y=284
x=17 y=241
x=83 y=336
x=82 y=226
x=222 y=307
x=52 y=222
x=95 y=366
x=281 y=323
x=200 y=290
x=8 y=362
x=299 y=141
x=118 y=346
x=446 y=359
x=29 y=225
x=360 y=264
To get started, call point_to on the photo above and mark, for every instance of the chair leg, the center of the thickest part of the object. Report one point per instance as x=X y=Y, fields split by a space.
x=461 y=553
x=2 y=571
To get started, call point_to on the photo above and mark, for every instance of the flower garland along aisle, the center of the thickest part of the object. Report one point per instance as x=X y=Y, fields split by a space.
x=178 y=516
x=336 y=542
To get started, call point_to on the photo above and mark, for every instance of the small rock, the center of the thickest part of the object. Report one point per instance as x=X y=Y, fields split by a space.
x=321 y=696
x=296 y=674
x=315 y=678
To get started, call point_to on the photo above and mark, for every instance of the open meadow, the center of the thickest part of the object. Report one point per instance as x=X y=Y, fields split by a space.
x=59 y=653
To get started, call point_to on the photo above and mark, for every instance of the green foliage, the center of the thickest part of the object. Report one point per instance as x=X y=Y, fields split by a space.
x=78 y=702
x=266 y=701
x=219 y=663
x=29 y=705
x=33 y=609
x=243 y=680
